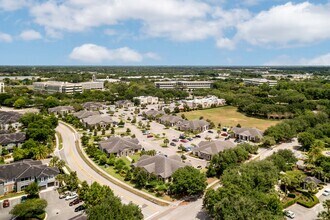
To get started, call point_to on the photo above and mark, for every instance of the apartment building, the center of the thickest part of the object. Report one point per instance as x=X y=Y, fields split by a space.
x=184 y=85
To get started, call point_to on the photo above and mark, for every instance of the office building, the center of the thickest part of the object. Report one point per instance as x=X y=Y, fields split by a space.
x=184 y=85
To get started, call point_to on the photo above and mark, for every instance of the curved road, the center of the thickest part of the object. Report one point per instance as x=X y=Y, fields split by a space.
x=71 y=156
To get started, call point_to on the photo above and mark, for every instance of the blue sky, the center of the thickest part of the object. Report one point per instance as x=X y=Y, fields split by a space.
x=164 y=32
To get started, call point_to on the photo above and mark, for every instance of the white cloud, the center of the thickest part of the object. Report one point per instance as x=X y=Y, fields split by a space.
x=323 y=60
x=5 y=38
x=29 y=35
x=11 y=5
x=91 y=53
x=285 y=60
x=226 y=43
x=287 y=25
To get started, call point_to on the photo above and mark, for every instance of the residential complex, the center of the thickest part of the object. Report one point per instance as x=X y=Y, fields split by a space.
x=120 y=146
x=206 y=102
x=247 y=134
x=9 y=120
x=206 y=149
x=184 y=85
x=16 y=176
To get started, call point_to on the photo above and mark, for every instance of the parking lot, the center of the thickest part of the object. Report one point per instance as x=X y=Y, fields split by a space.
x=56 y=208
x=302 y=213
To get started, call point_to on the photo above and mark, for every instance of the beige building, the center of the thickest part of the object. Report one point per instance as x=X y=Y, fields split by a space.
x=184 y=85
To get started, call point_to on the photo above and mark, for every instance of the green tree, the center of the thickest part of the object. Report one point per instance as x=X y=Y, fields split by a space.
x=306 y=139
x=20 y=103
x=166 y=141
x=32 y=190
x=32 y=208
x=325 y=215
x=188 y=181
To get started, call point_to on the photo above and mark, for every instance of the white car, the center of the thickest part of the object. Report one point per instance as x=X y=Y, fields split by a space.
x=71 y=196
x=289 y=214
x=327 y=190
x=325 y=193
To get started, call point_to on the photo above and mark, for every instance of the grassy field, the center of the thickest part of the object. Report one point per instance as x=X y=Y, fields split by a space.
x=229 y=116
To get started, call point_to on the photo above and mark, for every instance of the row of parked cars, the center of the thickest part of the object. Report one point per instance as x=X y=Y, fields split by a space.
x=75 y=200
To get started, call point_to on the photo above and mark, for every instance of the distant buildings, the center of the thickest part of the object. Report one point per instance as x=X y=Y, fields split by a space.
x=60 y=87
x=92 y=85
x=93 y=106
x=124 y=104
x=184 y=85
x=259 y=81
x=145 y=100
x=95 y=121
x=85 y=114
x=206 y=102
x=15 y=177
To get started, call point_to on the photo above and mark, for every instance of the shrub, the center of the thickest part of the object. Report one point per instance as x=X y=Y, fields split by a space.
x=308 y=201
x=291 y=195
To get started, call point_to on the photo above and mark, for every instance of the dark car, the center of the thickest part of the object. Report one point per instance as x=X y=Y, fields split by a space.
x=149 y=136
x=210 y=131
x=184 y=140
x=175 y=140
x=5 y=203
x=79 y=208
x=197 y=136
x=224 y=134
x=23 y=199
x=74 y=202
x=173 y=144
x=182 y=136
x=190 y=139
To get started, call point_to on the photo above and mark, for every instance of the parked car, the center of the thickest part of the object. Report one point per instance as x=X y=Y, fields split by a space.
x=173 y=144
x=5 y=203
x=199 y=167
x=23 y=199
x=149 y=136
x=289 y=213
x=79 y=208
x=224 y=134
x=182 y=136
x=210 y=131
x=184 y=140
x=190 y=139
x=197 y=136
x=326 y=193
x=65 y=194
x=71 y=196
x=74 y=202
x=327 y=190
x=227 y=138
x=175 y=140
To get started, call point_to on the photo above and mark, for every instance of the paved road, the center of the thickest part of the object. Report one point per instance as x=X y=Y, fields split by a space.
x=263 y=153
x=84 y=172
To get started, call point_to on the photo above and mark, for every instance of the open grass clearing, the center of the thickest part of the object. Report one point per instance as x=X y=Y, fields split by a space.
x=228 y=116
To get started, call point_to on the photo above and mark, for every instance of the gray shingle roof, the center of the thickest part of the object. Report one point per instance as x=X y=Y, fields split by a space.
x=252 y=132
x=98 y=119
x=90 y=105
x=26 y=168
x=119 y=144
x=194 y=124
x=12 y=138
x=60 y=109
x=213 y=147
x=160 y=165
x=172 y=119
x=154 y=113
x=9 y=117
x=85 y=114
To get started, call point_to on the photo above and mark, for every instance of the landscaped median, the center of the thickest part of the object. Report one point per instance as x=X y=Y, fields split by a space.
x=105 y=175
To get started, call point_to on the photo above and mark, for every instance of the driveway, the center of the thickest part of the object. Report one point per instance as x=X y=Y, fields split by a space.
x=56 y=208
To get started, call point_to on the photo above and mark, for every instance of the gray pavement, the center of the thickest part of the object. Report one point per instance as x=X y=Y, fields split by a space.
x=56 y=208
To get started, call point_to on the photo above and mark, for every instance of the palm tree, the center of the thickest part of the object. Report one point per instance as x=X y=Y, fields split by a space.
x=40 y=152
x=60 y=164
x=166 y=141
x=315 y=151
x=318 y=171
x=311 y=187
x=54 y=161
x=60 y=178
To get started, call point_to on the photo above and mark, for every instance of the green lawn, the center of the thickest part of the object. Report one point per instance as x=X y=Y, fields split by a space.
x=11 y=195
x=229 y=116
